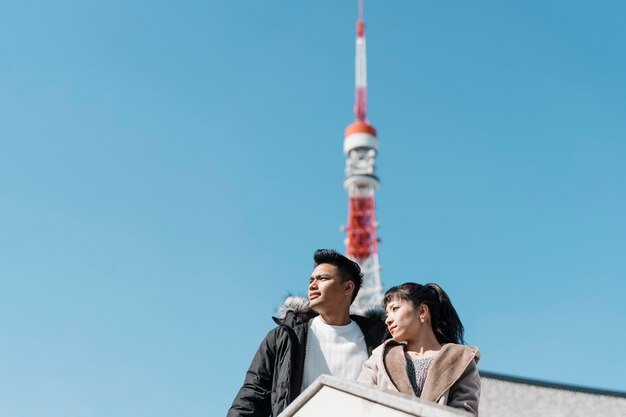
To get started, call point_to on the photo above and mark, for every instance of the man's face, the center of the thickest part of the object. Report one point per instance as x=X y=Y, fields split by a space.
x=326 y=290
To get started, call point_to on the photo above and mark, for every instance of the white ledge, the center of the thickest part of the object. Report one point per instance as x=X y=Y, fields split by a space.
x=334 y=397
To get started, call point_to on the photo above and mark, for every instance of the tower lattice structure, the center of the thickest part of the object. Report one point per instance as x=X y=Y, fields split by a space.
x=360 y=147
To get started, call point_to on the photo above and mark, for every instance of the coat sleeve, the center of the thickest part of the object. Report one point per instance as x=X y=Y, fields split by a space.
x=369 y=372
x=465 y=393
x=254 y=397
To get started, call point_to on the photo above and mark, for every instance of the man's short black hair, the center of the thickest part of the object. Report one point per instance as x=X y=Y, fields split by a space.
x=348 y=269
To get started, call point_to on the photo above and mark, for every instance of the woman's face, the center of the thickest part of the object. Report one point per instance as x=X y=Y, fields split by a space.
x=403 y=319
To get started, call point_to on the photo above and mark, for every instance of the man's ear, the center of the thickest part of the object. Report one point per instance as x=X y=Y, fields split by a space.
x=349 y=287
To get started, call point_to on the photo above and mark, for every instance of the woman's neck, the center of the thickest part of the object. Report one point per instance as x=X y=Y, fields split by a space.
x=423 y=343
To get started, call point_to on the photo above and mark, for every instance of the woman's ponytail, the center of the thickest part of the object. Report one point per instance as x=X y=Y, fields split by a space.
x=446 y=323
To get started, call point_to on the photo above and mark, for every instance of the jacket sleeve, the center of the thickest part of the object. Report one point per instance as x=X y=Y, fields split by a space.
x=369 y=372
x=465 y=393
x=254 y=397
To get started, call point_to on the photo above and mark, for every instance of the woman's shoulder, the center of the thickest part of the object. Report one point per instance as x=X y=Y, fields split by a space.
x=459 y=347
x=386 y=345
x=454 y=349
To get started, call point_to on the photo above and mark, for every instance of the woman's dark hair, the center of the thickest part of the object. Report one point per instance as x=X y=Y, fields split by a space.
x=348 y=269
x=446 y=323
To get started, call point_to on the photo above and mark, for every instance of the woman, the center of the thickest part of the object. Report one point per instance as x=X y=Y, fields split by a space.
x=426 y=356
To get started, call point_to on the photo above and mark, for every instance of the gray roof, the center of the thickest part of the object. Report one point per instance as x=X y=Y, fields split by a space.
x=508 y=396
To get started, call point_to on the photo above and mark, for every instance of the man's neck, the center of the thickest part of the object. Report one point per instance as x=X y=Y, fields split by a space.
x=335 y=318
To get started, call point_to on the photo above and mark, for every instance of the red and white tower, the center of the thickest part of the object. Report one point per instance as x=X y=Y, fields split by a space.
x=361 y=147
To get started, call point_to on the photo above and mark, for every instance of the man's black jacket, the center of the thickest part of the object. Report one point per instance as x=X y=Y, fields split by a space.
x=274 y=377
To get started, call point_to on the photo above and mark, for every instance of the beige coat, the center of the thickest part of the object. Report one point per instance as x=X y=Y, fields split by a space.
x=452 y=378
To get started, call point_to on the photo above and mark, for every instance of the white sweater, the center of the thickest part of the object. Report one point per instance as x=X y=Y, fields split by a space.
x=333 y=350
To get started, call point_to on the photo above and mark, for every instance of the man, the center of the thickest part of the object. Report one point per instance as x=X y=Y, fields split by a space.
x=312 y=339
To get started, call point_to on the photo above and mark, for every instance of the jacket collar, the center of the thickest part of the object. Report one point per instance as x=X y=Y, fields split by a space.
x=295 y=310
x=394 y=362
x=444 y=371
x=447 y=368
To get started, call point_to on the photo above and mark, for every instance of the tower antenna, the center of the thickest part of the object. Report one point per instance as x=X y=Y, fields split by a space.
x=360 y=147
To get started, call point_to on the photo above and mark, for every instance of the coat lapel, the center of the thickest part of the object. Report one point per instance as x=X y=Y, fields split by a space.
x=395 y=365
x=446 y=369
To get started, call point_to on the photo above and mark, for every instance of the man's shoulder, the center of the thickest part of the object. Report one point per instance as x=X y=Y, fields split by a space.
x=368 y=317
x=281 y=334
x=293 y=318
x=372 y=324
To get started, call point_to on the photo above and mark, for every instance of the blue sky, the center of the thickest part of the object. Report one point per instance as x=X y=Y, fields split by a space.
x=167 y=170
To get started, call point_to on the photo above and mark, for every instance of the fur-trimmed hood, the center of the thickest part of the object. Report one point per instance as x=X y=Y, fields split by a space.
x=295 y=310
